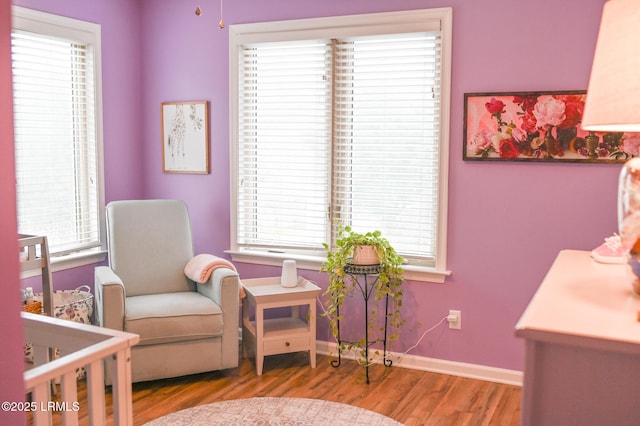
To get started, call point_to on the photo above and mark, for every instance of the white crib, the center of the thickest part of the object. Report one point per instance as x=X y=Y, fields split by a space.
x=81 y=345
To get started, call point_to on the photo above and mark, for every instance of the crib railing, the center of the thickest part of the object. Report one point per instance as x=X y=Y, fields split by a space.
x=80 y=345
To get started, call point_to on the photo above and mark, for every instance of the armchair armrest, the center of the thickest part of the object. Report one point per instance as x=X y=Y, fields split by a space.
x=110 y=295
x=223 y=288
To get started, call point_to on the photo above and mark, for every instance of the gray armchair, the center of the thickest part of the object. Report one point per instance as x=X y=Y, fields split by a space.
x=185 y=327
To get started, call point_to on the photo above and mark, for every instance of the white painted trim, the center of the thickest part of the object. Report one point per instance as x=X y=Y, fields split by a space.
x=70 y=261
x=341 y=26
x=48 y=24
x=314 y=263
x=445 y=109
x=434 y=365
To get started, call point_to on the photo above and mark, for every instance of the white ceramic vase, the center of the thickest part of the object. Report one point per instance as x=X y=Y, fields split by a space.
x=289 y=274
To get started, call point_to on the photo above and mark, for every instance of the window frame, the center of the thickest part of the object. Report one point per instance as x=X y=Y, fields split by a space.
x=47 y=24
x=335 y=27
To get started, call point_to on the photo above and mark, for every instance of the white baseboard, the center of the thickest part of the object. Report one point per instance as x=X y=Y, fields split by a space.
x=462 y=369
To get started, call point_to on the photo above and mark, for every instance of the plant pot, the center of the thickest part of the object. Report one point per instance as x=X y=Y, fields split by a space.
x=365 y=255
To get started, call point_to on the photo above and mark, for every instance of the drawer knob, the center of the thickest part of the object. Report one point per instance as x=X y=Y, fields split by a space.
x=287 y=344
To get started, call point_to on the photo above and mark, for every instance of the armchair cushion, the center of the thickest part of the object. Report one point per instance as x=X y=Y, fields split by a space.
x=172 y=317
x=150 y=245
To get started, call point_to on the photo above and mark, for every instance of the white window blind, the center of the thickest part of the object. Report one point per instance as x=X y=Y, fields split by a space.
x=56 y=142
x=284 y=143
x=341 y=120
x=386 y=139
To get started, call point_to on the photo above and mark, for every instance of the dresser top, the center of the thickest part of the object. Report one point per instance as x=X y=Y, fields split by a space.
x=584 y=303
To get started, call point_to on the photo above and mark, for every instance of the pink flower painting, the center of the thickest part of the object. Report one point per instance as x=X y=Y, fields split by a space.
x=538 y=126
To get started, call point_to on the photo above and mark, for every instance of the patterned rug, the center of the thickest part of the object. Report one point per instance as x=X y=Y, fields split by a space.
x=274 y=412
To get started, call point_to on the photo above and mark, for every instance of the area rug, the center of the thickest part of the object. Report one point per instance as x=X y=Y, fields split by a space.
x=274 y=412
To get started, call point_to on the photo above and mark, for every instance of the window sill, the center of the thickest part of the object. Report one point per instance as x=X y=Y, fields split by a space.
x=314 y=263
x=70 y=261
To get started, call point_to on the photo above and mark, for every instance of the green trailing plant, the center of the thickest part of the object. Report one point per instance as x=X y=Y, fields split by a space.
x=341 y=285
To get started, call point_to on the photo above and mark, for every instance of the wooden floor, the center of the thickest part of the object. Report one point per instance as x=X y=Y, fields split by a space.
x=409 y=396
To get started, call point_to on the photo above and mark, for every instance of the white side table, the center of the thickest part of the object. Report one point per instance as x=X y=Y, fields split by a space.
x=274 y=336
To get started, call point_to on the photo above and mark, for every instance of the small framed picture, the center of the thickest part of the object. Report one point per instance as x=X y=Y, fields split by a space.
x=185 y=137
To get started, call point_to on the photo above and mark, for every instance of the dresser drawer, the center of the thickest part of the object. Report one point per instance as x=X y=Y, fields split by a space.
x=284 y=345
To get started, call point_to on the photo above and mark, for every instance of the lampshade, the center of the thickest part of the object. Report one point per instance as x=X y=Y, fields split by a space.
x=613 y=97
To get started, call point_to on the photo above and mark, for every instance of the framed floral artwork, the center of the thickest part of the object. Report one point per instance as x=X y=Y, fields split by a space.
x=538 y=126
x=185 y=137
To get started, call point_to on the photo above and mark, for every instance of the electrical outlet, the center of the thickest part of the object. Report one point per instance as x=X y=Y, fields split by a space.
x=455 y=319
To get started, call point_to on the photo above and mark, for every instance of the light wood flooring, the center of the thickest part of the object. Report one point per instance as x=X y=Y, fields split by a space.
x=409 y=396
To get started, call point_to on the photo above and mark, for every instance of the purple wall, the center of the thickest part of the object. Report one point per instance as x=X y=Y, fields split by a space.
x=507 y=221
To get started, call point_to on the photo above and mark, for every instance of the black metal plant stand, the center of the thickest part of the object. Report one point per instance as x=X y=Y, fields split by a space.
x=366 y=278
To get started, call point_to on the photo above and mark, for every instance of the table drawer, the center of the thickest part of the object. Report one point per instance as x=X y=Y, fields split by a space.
x=284 y=345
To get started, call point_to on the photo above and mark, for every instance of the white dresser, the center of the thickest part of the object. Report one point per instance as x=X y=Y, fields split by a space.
x=582 y=346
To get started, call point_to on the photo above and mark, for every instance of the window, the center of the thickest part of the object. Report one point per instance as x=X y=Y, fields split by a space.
x=341 y=121
x=57 y=120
